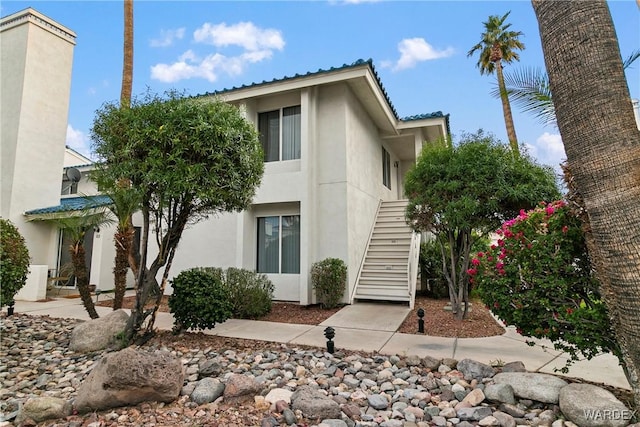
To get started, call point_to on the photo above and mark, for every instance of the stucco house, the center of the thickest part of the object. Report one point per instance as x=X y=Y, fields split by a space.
x=336 y=153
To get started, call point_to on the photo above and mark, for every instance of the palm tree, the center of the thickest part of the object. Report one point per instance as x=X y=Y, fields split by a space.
x=498 y=44
x=126 y=201
x=76 y=227
x=595 y=117
x=124 y=198
x=529 y=88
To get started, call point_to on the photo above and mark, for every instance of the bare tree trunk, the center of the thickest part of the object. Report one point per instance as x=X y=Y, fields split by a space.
x=595 y=117
x=506 y=110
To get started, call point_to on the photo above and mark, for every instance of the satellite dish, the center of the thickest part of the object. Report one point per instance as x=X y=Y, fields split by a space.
x=73 y=175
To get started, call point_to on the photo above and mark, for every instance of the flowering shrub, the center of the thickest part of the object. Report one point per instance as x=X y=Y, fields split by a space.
x=538 y=277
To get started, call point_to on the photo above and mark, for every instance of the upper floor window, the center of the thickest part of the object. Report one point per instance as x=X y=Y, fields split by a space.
x=280 y=134
x=386 y=168
x=69 y=187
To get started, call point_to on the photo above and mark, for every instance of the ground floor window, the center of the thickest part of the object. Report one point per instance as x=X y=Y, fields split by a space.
x=279 y=244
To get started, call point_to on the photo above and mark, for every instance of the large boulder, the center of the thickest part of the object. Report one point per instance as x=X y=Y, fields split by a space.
x=591 y=406
x=129 y=377
x=315 y=405
x=44 y=408
x=528 y=385
x=98 y=334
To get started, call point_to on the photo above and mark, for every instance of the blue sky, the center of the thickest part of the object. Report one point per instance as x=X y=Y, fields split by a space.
x=418 y=47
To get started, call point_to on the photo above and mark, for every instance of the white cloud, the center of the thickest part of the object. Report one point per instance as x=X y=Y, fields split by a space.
x=548 y=150
x=78 y=140
x=417 y=50
x=257 y=44
x=167 y=37
x=243 y=34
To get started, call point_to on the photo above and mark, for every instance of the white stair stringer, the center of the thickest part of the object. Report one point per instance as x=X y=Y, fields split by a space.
x=389 y=269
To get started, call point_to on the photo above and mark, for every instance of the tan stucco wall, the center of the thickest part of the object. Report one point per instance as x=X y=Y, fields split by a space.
x=36 y=60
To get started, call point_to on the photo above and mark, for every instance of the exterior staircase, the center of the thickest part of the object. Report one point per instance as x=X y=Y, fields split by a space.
x=390 y=266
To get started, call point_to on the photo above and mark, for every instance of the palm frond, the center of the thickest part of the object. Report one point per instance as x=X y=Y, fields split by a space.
x=631 y=59
x=529 y=89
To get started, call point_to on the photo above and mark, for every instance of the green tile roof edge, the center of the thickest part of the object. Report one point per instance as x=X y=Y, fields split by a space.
x=71 y=204
x=358 y=63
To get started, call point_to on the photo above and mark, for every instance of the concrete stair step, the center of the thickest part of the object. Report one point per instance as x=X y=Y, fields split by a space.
x=383 y=274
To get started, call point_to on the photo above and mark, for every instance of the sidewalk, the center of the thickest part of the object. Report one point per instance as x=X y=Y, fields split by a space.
x=371 y=328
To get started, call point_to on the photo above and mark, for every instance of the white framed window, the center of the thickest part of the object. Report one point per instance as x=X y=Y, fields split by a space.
x=386 y=168
x=280 y=133
x=69 y=187
x=279 y=244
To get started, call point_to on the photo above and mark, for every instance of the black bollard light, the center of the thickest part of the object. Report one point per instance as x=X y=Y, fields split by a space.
x=420 y=321
x=10 y=308
x=329 y=333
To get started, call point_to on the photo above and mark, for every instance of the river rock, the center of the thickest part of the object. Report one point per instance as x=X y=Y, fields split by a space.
x=475 y=370
x=44 y=408
x=313 y=404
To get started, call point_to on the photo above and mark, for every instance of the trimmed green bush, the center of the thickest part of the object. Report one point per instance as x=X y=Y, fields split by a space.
x=14 y=262
x=329 y=279
x=251 y=293
x=200 y=299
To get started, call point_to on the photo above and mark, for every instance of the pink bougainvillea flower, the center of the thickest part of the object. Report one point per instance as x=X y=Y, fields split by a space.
x=565 y=229
x=480 y=254
x=475 y=261
x=550 y=210
x=493 y=247
x=472 y=271
x=499 y=265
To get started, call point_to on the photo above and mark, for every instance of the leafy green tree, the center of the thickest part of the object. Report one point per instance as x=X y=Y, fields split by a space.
x=14 y=262
x=465 y=191
x=498 y=44
x=76 y=227
x=188 y=158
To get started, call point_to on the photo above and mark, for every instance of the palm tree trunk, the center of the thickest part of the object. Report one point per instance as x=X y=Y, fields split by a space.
x=123 y=239
x=82 y=279
x=127 y=68
x=506 y=110
x=597 y=125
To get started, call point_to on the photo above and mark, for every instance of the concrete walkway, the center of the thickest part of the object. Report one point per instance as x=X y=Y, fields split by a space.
x=372 y=328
